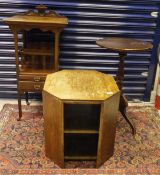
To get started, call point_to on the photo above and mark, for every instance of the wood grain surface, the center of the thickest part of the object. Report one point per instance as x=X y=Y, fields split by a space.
x=80 y=85
x=124 y=44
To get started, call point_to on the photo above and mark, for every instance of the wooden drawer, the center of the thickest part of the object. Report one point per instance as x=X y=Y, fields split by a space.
x=35 y=78
x=30 y=86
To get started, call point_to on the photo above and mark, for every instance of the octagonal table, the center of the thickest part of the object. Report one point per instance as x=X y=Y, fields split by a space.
x=80 y=113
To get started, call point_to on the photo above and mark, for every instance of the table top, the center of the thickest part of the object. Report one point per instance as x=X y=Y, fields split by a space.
x=124 y=44
x=80 y=85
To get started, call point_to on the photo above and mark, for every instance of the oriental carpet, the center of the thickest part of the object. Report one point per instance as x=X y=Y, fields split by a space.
x=22 y=145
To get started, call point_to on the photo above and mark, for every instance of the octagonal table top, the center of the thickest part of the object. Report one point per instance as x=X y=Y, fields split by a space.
x=80 y=85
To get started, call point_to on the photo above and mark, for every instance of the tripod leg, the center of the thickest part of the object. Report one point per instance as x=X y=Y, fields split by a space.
x=26 y=97
x=122 y=108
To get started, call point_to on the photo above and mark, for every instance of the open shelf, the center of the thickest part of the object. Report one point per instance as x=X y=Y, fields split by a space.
x=81 y=118
x=31 y=71
x=80 y=157
x=81 y=131
x=37 y=62
x=36 y=51
x=80 y=145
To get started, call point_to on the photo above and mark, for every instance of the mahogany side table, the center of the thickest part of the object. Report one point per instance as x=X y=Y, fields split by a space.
x=123 y=46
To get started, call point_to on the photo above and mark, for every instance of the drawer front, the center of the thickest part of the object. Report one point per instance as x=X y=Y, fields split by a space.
x=35 y=78
x=30 y=86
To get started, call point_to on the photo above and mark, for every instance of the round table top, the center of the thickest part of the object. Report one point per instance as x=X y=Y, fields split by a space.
x=124 y=44
x=80 y=85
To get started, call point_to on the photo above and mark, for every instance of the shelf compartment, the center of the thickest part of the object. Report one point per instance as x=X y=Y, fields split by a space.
x=81 y=131
x=31 y=71
x=80 y=157
x=73 y=146
x=37 y=61
x=81 y=116
x=36 y=52
x=36 y=35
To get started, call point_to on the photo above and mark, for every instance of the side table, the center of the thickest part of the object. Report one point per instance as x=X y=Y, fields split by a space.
x=80 y=112
x=123 y=46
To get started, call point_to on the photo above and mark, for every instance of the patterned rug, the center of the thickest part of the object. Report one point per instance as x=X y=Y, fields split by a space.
x=22 y=145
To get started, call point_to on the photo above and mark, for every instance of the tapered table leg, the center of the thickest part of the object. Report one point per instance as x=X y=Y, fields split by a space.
x=26 y=98
x=19 y=107
x=122 y=108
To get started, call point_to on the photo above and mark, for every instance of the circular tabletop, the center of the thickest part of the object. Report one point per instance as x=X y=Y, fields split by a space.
x=80 y=85
x=124 y=44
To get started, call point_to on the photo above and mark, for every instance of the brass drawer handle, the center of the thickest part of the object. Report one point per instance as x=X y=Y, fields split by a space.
x=37 y=79
x=37 y=86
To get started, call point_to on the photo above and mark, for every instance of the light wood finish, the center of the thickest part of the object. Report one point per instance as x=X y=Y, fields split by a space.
x=45 y=21
x=123 y=46
x=34 y=18
x=53 y=128
x=78 y=99
x=37 y=58
x=107 y=129
x=67 y=85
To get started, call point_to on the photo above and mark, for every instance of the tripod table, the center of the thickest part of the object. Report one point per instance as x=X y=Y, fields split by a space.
x=123 y=46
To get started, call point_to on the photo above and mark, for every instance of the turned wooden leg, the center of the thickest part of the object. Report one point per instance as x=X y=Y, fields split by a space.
x=26 y=98
x=122 y=108
x=19 y=106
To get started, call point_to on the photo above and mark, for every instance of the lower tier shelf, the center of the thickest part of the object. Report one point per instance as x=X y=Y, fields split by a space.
x=32 y=71
x=80 y=158
x=80 y=146
x=74 y=131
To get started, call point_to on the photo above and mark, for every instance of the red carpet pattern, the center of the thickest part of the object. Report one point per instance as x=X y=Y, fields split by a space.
x=22 y=145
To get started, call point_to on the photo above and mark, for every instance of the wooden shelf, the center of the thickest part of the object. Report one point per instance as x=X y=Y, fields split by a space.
x=81 y=131
x=36 y=71
x=36 y=52
x=86 y=120
x=88 y=142
x=80 y=157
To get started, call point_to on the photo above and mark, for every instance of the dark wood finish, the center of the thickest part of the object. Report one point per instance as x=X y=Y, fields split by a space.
x=122 y=108
x=73 y=146
x=30 y=86
x=80 y=157
x=53 y=128
x=27 y=98
x=87 y=114
x=123 y=46
x=39 y=54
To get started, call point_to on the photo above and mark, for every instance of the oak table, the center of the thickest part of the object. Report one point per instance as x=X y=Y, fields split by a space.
x=123 y=46
x=80 y=113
